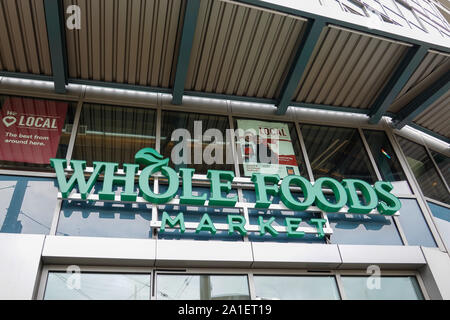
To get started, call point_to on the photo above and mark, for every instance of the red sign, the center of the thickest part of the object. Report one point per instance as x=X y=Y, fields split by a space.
x=30 y=129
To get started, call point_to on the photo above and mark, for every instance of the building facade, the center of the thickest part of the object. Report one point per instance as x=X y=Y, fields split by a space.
x=167 y=112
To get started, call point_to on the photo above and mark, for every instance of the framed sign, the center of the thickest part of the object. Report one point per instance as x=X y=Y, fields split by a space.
x=30 y=129
x=266 y=147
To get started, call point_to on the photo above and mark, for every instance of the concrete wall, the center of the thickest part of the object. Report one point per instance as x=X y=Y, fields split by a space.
x=22 y=256
x=436 y=274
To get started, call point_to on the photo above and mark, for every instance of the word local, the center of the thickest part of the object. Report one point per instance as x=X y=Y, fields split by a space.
x=266 y=185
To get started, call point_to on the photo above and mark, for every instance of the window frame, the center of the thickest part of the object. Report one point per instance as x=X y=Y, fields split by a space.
x=250 y=273
x=225 y=110
x=46 y=269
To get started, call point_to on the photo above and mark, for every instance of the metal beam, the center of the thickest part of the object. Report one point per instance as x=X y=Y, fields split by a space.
x=222 y=96
x=422 y=102
x=26 y=76
x=54 y=16
x=184 y=54
x=329 y=107
x=429 y=132
x=398 y=80
x=310 y=38
x=116 y=85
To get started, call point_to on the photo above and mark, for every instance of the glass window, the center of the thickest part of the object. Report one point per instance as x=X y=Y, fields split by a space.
x=424 y=170
x=296 y=288
x=113 y=134
x=443 y=164
x=280 y=217
x=354 y=7
x=202 y=287
x=373 y=229
x=195 y=214
x=389 y=4
x=105 y=219
x=442 y=220
x=374 y=5
x=337 y=153
x=33 y=131
x=172 y=121
x=389 y=288
x=97 y=286
x=386 y=160
x=27 y=204
x=269 y=147
x=414 y=225
x=406 y=12
x=249 y=196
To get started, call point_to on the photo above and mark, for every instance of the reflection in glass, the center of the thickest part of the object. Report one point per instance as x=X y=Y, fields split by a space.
x=424 y=170
x=391 y=288
x=337 y=153
x=63 y=139
x=113 y=134
x=280 y=217
x=177 y=120
x=97 y=286
x=385 y=157
x=195 y=214
x=202 y=287
x=250 y=196
x=105 y=219
x=443 y=164
x=248 y=149
x=442 y=220
x=373 y=229
x=296 y=288
x=414 y=225
x=27 y=204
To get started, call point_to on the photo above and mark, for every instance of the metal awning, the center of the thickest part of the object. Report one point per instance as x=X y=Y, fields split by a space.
x=237 y=50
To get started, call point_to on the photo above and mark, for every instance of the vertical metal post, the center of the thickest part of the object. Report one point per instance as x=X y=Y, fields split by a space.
x=54 y=16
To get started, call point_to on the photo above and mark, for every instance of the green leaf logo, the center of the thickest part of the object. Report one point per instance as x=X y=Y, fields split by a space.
x=149 y=157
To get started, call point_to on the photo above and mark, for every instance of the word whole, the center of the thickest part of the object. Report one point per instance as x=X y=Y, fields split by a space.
x=345 y=193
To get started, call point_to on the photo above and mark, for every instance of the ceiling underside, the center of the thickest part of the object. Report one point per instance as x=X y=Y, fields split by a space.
x=236 y=51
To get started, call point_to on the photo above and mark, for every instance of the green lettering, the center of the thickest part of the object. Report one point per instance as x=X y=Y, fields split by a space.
x=289 y=200
x=77 y=177
x=127 y=180
x=206 y=224
x=166 y=219
x=292 y=225
x=217 y=187
x=339 y=193
x=262 y=190
x=389 y=203
x=154 y=162
x=236 y=222
x=354 y=204
x=319 y=223
x=147 y=192
x=187 y=197
x=267 y=227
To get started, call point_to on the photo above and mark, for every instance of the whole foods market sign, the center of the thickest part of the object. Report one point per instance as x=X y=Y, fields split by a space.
x=345 y=193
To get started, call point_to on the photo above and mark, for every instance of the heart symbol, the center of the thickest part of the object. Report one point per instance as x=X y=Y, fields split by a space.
x=9 y=121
